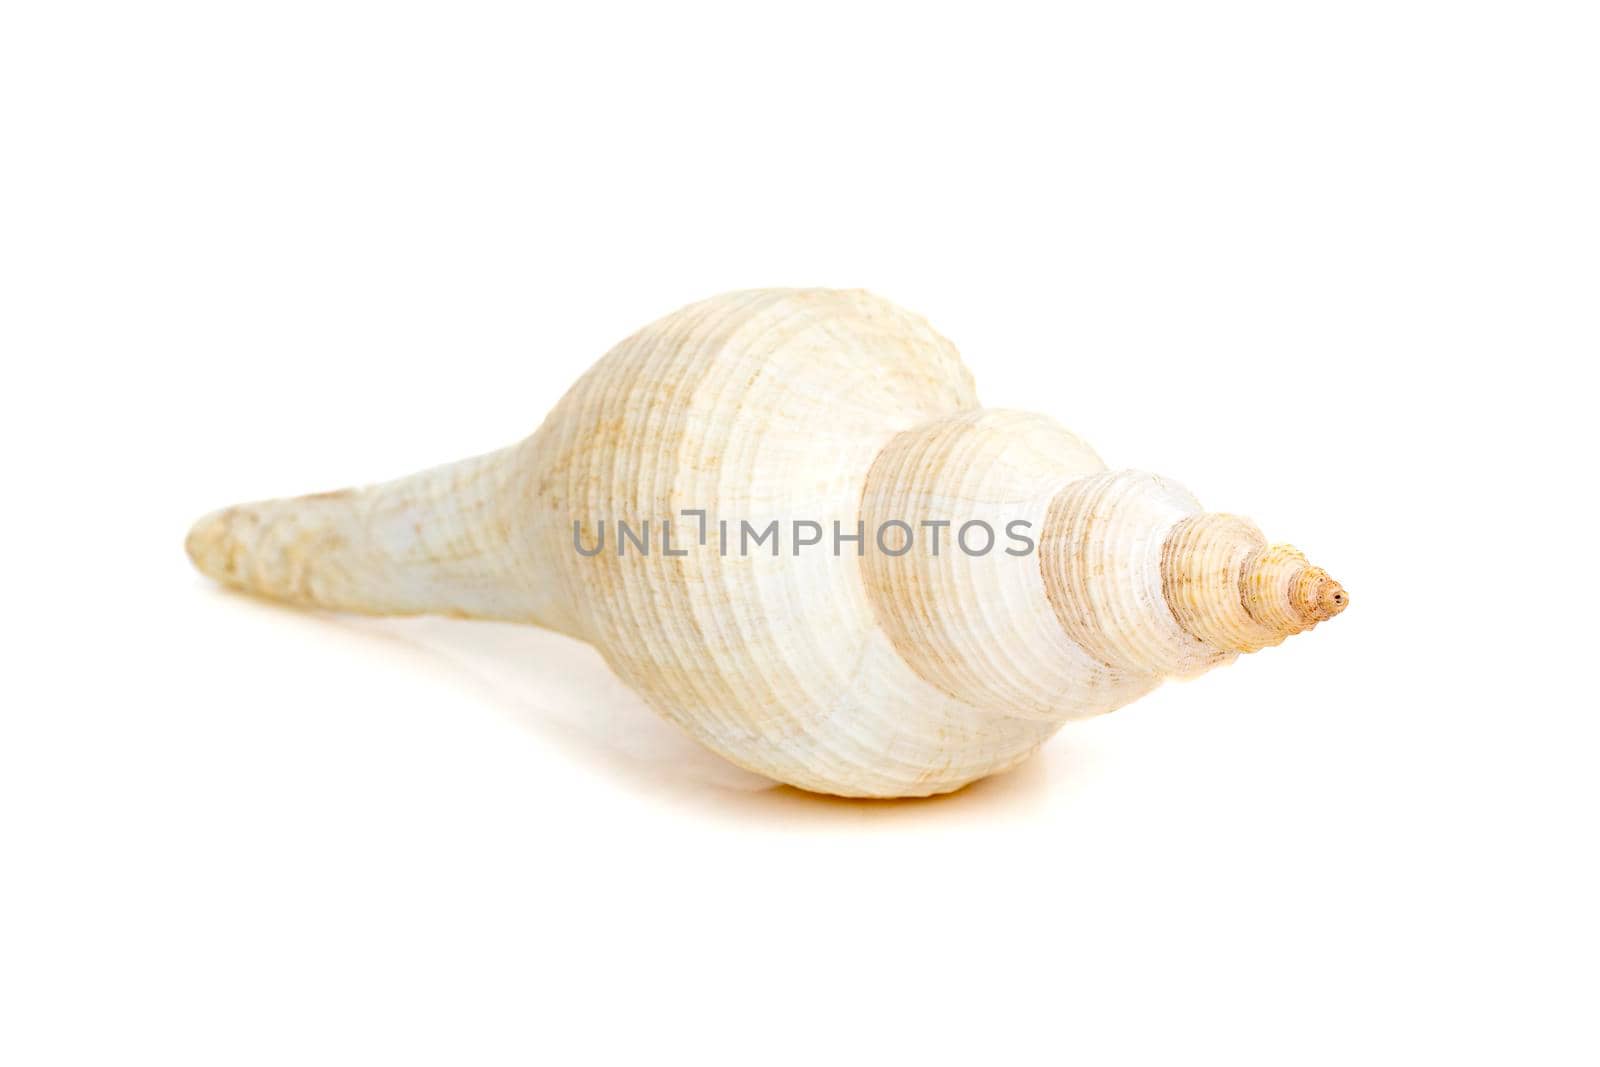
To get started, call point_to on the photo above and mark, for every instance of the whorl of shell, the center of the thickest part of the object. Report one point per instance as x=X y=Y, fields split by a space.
x=883 y=673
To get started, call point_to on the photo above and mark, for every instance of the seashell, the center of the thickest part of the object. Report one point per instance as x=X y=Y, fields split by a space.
x=877 y=642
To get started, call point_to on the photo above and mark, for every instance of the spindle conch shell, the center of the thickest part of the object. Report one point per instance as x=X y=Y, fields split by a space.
x=877 y=643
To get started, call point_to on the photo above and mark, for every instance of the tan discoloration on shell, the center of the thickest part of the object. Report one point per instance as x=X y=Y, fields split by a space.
x=869 y=675
x=1207 y=557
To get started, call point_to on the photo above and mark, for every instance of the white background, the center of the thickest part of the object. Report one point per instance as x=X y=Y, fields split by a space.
x=1330 y=266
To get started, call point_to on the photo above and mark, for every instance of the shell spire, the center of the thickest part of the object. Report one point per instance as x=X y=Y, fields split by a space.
x=1231 y=589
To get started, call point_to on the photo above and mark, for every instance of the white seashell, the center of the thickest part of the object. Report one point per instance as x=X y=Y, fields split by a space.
x=875 y=674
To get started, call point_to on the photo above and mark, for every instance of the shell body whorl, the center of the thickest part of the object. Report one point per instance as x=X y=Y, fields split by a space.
x=759 y=407
x=866 y=662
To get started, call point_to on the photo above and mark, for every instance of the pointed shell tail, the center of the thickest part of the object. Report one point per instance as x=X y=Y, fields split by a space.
x=1228 y=587
x=444 y=541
